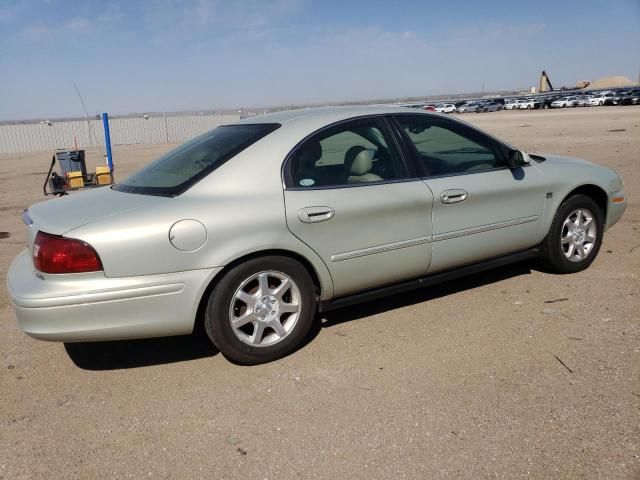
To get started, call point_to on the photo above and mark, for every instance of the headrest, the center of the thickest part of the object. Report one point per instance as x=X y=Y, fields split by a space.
x=362 y=163
x=310 y=154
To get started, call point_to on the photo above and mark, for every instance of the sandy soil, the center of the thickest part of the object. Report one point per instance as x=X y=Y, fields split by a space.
x=457 y=381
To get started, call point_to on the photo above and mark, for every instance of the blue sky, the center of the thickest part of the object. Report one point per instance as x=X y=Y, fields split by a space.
x=137 y=56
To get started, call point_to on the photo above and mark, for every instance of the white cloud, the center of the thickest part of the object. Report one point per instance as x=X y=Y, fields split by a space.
x=9 y=10
x=112 y=13
x=200 y=16
x=79 y=24
x=37 y=32
x=492 y=32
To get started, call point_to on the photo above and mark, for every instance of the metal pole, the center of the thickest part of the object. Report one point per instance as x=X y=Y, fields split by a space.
x=166 y=130
x=107 y=141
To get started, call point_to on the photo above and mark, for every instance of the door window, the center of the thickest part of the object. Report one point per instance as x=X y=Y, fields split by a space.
x=352 y=153
x=447 y=147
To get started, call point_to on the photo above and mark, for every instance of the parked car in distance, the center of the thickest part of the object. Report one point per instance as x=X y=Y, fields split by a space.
x=468 y=107
x=630 y=98
x=490 y=107
x=531 y=103
x=510 y=104
x=252 y=228
x=613 y=98
x=565 y=102
x=600 y=99
x=445 y=108
x=582 y=100
x=545 y=102
x=429 y=107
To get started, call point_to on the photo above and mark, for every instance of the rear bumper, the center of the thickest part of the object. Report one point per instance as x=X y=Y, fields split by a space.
x=92 y=307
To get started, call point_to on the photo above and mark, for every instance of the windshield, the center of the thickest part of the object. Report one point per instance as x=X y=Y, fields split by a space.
x=177 y=170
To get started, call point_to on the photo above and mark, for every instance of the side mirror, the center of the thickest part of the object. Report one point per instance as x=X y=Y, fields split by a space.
x=515 y=159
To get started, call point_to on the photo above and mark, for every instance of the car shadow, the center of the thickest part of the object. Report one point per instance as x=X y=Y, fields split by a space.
x=355 y=312
x=127 y=354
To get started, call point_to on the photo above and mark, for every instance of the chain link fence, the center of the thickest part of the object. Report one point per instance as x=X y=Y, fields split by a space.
x=23 y=137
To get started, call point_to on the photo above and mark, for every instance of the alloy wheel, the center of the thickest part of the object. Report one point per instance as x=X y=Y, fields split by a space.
x=578 y=236
x=265 y=308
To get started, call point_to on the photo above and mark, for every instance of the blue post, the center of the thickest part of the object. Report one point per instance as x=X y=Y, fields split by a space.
x=107 y=141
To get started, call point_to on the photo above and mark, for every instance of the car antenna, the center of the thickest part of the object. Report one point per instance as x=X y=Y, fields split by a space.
x=86 y=115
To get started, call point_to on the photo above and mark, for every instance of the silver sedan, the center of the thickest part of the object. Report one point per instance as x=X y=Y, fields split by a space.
x=252 y=228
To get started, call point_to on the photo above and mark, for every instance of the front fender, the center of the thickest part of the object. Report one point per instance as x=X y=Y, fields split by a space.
x=565 y=174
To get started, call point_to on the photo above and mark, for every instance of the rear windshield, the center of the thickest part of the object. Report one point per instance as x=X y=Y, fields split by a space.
x=177 y=170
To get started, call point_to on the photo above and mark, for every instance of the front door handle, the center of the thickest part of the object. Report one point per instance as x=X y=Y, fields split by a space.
x=316 y=214
x=454 y=196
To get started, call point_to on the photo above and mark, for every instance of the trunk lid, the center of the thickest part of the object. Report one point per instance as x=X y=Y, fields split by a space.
x=63 y=214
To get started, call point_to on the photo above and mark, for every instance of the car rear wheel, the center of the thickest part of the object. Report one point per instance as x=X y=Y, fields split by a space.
x=575 y=235
x=261 y=310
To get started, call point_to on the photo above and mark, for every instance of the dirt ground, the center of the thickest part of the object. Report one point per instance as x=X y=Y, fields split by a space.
x=463 y=380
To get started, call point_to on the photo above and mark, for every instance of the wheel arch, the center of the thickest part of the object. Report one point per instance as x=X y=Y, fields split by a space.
x=202 y=303
x=552 y=253
x=598 y=194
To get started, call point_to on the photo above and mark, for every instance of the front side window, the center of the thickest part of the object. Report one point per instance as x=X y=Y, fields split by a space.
x=180 y=168
x=446 y=147
x=352 y=153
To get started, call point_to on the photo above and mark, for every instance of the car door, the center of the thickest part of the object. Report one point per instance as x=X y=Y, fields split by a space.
x=352 y=197
x=482 y=209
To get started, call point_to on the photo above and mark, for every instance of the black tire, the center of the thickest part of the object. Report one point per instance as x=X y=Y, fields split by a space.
x=553 y=255
x=218 y=325
x=528 y=107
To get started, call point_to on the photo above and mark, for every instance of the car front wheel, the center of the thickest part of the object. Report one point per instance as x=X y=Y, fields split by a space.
x=575 y=235
x=261 y=310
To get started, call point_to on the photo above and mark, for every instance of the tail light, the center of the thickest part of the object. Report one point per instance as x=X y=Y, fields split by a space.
x=54 y=254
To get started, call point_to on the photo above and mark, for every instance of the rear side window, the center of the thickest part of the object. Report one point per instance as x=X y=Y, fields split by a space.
x=177 y=170
x=352 y=153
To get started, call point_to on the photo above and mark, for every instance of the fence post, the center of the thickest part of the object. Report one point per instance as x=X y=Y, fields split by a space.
x=166 y=129
x=107 y=141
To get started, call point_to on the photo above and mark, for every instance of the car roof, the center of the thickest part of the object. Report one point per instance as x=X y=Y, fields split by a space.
x=327 y=114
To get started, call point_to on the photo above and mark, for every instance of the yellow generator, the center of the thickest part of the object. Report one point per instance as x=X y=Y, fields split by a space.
x=73 y=174
x=103 y=175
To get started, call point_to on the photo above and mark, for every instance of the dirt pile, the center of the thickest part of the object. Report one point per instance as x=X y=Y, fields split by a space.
x=609 y=82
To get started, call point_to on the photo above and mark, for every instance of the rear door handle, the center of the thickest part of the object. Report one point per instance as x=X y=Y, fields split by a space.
x=316 y=214
x=454 y=196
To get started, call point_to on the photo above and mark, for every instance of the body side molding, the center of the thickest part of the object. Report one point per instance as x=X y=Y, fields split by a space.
x=433 y=279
